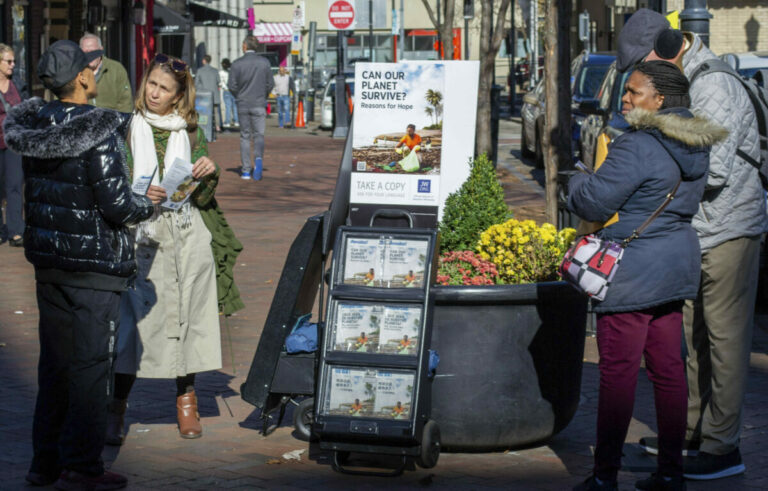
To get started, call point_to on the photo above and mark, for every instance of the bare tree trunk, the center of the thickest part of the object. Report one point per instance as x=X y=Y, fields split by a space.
x=445 y=28
x=556 y=139
x=489 y=46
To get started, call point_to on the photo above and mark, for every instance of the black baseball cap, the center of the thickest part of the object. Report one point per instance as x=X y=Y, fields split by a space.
x=637 y=37
x=62 y=62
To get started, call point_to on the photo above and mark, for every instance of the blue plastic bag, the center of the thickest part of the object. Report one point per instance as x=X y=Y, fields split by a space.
x=303 y=336
x=434 y=361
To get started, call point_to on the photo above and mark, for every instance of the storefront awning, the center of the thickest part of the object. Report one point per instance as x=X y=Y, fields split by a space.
x=206 y=16
x=168 y=21
x=273 y=32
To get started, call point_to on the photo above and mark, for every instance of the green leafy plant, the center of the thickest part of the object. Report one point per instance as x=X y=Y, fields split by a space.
x=477 y=205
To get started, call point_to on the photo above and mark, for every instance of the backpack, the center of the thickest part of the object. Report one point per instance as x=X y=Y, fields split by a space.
x=759 y=97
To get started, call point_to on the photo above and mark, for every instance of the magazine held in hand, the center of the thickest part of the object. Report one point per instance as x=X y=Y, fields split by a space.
x=177 y=182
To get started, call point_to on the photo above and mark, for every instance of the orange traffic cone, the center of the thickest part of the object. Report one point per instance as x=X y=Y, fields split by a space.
x=300 y=115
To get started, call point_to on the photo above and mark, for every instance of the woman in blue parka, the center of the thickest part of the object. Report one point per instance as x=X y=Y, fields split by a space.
x=642 y=311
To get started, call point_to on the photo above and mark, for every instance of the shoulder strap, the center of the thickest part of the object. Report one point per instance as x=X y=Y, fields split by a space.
x=712 y=66
x=670 y=196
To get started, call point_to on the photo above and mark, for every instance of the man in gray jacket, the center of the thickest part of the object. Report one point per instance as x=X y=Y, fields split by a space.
x=251 y=81
x=207 y=79
x=729 y=223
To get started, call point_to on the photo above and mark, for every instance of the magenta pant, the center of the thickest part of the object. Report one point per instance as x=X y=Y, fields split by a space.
x=622 y=338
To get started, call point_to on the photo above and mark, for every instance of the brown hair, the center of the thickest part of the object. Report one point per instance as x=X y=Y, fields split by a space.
x=185 y=106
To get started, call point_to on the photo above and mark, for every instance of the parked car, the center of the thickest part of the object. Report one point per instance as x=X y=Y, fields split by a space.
x=603 y=113
x=327 y=104
x=747 y=64
x=587 y=71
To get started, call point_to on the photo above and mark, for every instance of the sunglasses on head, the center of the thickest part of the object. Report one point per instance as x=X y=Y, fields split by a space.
x=175 y=64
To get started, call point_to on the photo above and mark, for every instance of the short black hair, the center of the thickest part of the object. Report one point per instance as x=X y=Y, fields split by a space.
x=411 y=126
x=65 y=90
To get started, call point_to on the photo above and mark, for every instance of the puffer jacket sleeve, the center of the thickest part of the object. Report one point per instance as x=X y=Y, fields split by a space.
x=596 y=197
x=114 y=198
x=735 y=113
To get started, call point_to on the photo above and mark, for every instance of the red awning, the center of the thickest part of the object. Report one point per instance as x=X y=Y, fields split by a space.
x=273 y=32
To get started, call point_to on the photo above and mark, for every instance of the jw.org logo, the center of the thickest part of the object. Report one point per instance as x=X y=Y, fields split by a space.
x=424 y=185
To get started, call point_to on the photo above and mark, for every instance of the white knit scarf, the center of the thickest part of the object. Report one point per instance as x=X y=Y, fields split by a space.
x=145 y=156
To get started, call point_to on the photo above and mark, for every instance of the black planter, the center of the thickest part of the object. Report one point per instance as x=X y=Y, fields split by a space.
x=510 y=363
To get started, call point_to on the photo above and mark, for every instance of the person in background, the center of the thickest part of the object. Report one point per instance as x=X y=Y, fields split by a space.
x=207 y=78
x=283 y=88
x=664 y=155
x=251 y=81
x=170 y=320
x=730 y=221
x=79 y=203
x=111 y=78
x=11 y=172
x=230 y=108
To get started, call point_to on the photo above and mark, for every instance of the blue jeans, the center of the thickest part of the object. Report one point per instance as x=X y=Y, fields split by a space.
x=230 y=108
x=283 y=110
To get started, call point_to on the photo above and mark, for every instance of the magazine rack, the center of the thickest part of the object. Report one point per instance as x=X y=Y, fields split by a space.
x=372 y=391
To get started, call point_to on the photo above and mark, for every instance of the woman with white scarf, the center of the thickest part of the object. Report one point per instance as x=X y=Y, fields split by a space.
x=169 y=324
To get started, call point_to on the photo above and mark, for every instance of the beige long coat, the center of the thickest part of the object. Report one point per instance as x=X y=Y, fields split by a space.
x=169 y=324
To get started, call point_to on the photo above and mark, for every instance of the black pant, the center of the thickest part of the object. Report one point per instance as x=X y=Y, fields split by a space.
x=13 y=181
x=78 y=329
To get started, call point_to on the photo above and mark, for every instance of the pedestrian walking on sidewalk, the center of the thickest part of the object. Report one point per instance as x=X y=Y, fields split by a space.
x=207 y=78
x=251 y=81
x=170 y=320
x=283 y=89
x=11 y=174
x=78 y=203
x=729 y=223
x=230 y=108
x=665 y=153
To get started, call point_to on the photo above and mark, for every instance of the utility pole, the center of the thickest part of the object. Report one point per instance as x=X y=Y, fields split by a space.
x=469 y=14
x=695 y=18
x=402 y=31
x=513 y=48
x=341 y=125
x=439 y=38
x=370 y=30
x=394 y=32
x=534 y=64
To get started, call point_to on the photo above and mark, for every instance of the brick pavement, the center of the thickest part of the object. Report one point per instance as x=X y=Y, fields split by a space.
x=300 y=171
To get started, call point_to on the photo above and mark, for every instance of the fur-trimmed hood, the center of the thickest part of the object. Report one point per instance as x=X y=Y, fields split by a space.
x=682 y=133
x=58 y=130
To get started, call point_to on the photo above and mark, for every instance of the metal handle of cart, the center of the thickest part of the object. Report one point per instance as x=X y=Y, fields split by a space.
x=391 y=213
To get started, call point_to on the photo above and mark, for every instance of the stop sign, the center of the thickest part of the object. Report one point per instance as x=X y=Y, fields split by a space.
x=341 y=15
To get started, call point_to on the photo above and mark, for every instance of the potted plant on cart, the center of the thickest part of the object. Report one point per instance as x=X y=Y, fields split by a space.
x=510 y=335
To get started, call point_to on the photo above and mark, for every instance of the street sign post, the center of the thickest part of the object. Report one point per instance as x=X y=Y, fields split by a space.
x=341 y=15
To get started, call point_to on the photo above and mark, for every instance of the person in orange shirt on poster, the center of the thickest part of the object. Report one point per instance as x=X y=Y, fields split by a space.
x=411 y=140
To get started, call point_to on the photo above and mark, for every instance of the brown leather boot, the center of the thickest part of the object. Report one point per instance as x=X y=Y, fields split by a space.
x=189 y=419
x=116 y=422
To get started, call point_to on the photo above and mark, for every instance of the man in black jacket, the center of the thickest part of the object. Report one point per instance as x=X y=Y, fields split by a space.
x=78 y=204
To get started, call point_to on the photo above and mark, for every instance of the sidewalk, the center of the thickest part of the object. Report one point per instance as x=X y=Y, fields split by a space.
x=300 y=169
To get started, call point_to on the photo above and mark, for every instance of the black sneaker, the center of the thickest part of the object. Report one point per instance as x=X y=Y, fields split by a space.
x=41 y=478
x=706 y=466
x=76 y=481
x=592 y=484
x=650 y=444
x=657 y=482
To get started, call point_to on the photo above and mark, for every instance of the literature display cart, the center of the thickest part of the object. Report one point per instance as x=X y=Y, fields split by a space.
x=372 y=390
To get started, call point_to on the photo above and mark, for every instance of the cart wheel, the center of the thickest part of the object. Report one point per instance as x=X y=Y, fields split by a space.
x=303 y=418
x=430 y=446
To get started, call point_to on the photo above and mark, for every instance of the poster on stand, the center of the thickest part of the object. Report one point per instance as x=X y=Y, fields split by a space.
x=413 y=134
x=362 y=258
x=351 y=392
x=357 y=327
x=394 y=394
x=400 y=330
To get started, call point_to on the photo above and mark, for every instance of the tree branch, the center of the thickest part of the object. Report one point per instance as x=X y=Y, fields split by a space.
x=431 y=14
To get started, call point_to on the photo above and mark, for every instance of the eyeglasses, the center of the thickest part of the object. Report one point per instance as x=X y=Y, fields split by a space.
x=175 y=64
x=10 y=62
